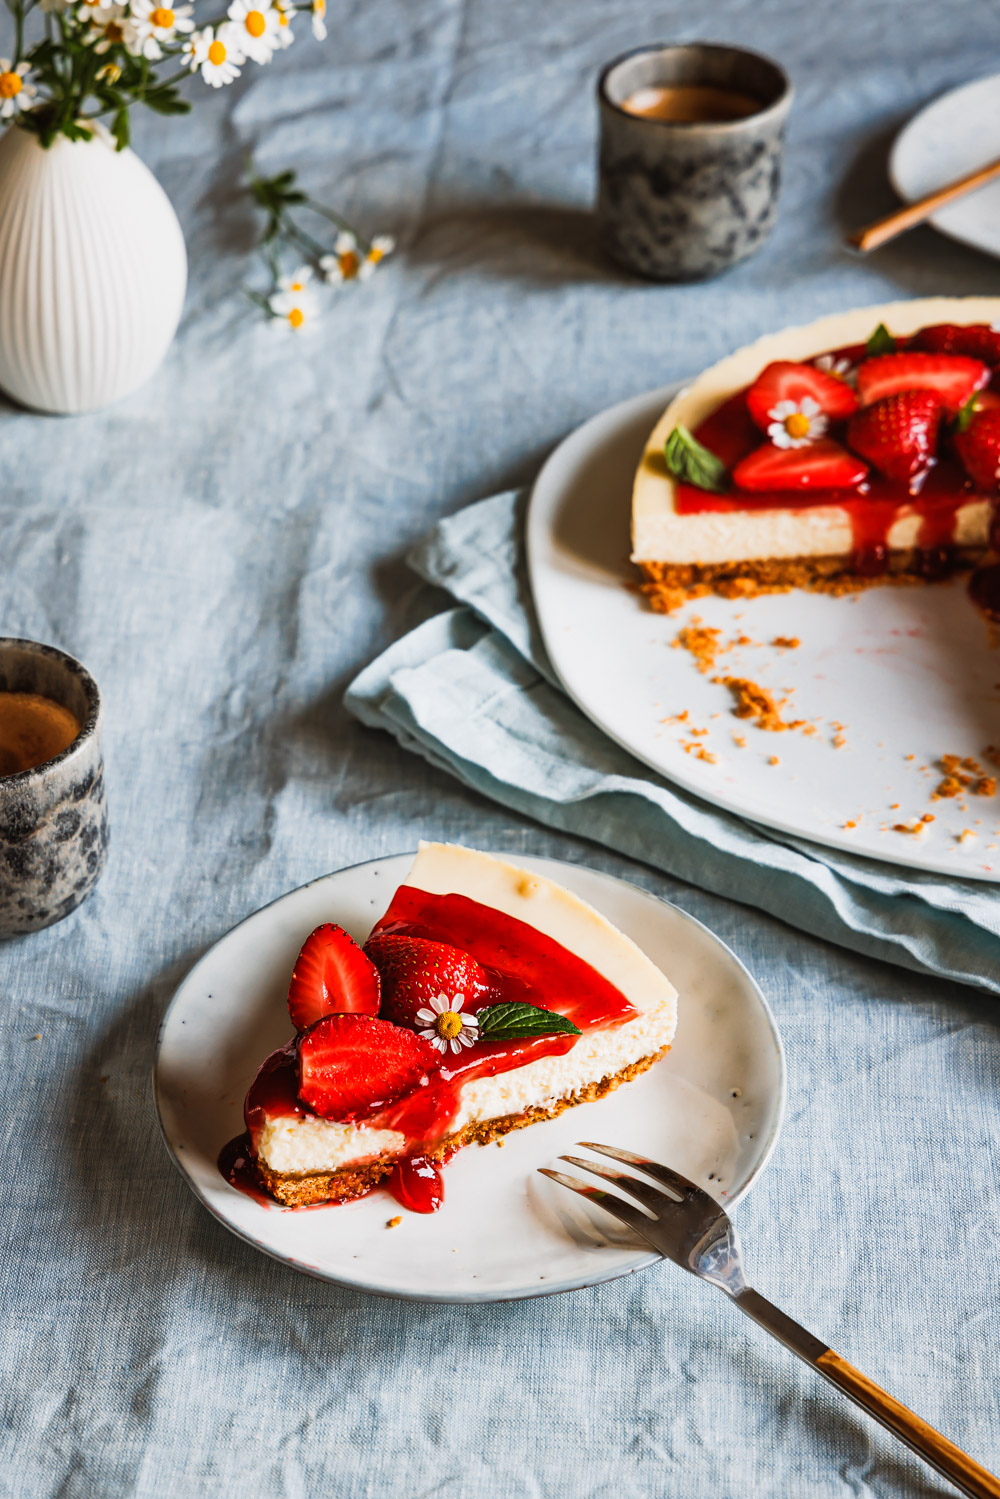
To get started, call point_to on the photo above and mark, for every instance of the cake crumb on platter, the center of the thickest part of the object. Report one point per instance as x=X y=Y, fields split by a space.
x=394 y=1222
x=756 y=702
x=787 y=642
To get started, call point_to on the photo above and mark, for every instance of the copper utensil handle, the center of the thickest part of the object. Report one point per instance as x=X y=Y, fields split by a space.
x=950 y=1461
x=915 y=213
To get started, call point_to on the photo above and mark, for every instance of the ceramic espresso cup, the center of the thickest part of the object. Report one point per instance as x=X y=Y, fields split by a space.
x=682 y=200
x=53 y=821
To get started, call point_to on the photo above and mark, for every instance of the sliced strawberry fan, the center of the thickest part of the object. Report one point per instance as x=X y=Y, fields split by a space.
x=332 y=976
x=785 y=380
x=822 y=464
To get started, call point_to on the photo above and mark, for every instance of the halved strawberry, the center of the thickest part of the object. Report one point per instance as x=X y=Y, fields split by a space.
x=979 y=449
x=952 y=376
x=351 y=1065
x=898 y=434
x=414 y=971
x=977 y=340
x=787 y=381
x=819 y=465
x=331 y=976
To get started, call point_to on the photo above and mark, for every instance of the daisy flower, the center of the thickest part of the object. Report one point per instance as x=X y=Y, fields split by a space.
x=445 y=1024
x=294 y=303
x=216 y=51
x=795 y=424
x=15 y=92
x=841 y=369
x=156 y=24
x=87 y=10
x=319 y=20
x=286 y=14
x=349 y=263
x=111 y=27
x=259 y=25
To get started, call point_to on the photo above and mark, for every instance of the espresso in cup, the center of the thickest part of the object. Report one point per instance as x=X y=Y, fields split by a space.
x=690 y=157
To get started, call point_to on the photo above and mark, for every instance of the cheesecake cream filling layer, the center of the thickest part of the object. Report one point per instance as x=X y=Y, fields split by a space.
x=298 y=1146
x=660 y=534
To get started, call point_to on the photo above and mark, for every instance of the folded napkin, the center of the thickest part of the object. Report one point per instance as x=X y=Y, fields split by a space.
x=473 y=691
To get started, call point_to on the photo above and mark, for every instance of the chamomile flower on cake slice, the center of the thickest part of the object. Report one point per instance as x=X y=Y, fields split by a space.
x=795 y=424
x=215 y=52
x=16 y=93
x=158 y=25
x=259 y=27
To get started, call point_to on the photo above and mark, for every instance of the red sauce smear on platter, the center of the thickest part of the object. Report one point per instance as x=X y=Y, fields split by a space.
x=872 y=507
x=524 y=965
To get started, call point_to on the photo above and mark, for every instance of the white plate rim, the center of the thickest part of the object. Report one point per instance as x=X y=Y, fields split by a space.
x=914 y=124
x=543 y=503
x=642 y=1261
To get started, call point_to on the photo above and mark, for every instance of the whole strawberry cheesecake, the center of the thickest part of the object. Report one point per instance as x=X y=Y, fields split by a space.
x=863 y=448
x=485 y=999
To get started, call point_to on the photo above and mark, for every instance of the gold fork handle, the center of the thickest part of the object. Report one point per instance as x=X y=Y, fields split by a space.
x=950 y=1461
x=936 y=1449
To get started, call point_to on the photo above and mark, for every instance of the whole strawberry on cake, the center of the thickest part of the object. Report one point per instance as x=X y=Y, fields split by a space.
x=485 y=999
x=863 y=448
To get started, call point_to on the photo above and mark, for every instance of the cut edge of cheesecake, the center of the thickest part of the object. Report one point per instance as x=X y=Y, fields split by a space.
x=312 y=1160
x=758 y=550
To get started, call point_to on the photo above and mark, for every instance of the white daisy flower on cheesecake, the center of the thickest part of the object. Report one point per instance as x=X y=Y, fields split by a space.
x=259 y=27
x=840 y=368
x=158 y=24
x=216 y=52
x=795 y=424
x=319 y=20
x=16 y=93
x=446 y=1025
x=294 y=302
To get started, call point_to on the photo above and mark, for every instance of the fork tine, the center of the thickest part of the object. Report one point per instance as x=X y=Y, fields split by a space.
x=623 y=1211
x=658 y=1172
x=650 y=1196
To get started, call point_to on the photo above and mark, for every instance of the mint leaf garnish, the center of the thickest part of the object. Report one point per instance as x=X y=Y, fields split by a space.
x=515 y=1022
x=689 y=460
x=966 y=413
x=880 y=342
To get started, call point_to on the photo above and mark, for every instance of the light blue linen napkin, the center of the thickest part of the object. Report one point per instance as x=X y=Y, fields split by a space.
x=472 y=691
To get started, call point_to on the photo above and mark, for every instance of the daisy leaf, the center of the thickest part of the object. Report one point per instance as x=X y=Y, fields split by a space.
x=514 y=1022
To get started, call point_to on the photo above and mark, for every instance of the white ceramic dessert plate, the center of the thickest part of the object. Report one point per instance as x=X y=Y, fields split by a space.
x=953 y=136
x=890 y=679
x=712 y=1108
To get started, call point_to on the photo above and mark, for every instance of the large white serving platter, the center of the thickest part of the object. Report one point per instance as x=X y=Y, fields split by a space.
x=712 y=1108
x=955 y=135
x=908 y=672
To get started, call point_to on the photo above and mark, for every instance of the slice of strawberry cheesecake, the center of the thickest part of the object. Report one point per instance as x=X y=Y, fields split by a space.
x=858 y=449
x=486 y=998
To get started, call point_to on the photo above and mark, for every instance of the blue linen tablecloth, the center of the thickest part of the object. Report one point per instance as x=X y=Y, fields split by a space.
x=225 y=552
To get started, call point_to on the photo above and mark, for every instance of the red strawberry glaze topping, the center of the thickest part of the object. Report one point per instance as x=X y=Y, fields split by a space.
x=522 y=965
x=872 y=506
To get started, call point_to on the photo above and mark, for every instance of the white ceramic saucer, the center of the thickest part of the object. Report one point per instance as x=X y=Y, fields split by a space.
x=712 y=1108
x=953 y=136
x=891 y=678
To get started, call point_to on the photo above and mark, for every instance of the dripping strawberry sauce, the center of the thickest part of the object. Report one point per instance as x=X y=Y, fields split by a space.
x=524 y=965
x=872 y=508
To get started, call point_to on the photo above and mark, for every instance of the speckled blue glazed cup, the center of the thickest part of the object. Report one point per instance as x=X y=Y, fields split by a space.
x=679 y=201
x=53 y=820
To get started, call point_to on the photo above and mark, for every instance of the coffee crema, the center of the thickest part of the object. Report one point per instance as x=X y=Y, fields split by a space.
x=690 y=104
x=32 y=730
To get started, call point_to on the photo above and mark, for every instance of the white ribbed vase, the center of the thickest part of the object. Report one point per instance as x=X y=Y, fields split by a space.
x=92 y=272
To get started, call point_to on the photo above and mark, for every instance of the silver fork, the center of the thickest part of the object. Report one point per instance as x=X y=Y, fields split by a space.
x=690 y=1228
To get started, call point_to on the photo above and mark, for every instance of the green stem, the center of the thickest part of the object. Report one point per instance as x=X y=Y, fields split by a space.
x=310 y=245
x=339 y=220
